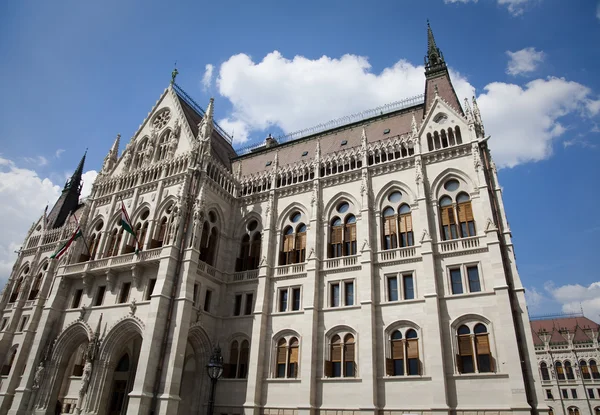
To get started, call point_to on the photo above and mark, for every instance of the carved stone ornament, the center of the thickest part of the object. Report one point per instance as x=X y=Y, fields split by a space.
x=365 y=245
x=263 y=261
x=425 y=236
x=489 y=225
x=82 y=312
x=132 y=307
x=85 y=381
x=311 y=253
x=111 y=279
x=418 y=170
x=476 y=158
x=39 y=374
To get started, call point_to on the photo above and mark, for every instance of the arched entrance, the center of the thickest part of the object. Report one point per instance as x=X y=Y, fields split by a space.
x=123 y=378
x=193 y=389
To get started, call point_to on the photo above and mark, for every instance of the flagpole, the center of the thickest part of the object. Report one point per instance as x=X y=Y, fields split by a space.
x=84 y=241
x=129 y=223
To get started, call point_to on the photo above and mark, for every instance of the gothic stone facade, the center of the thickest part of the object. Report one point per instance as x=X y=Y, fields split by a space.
x=568 y=354
x=367 y=268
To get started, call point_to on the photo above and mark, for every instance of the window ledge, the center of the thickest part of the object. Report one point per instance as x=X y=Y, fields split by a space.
x=479 y=375
x=475 y=294
x=358 y=380
x=287 y=313
x=405 y=378
x=400 y=302
x=234 y=379
x=344 y=307
x=284 y=380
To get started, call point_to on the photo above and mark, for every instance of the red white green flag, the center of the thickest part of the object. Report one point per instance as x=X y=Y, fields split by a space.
x=65 y=247
x=127 y=226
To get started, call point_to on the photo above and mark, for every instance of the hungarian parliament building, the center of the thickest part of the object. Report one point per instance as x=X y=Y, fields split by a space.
x=364 y=267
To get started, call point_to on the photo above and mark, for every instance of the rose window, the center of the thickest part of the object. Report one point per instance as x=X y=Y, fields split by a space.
x=161 y=119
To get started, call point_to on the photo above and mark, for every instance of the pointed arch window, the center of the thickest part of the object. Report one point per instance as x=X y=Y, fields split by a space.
x=337 y=230
x=406 y=227
x=573 y=410
x=342 y=351
x=301 y=243
x=465 y=215
x=449 y=230
x=16 y=290
x=569 y=370
x=594 y=369
x=35 y=287
x=209 y=248
x=93 y=244
x=544 y=371
x=585 y=370
x=9 y=362
x=474 y=352
x=404 y=354
x=558 y=368
x=350 y=235
x=287 y=358
x=390 y=239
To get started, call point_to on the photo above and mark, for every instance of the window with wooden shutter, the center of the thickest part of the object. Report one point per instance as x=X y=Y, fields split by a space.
x=336 y=356
x=293 y=362
x=349 y=356
x=300 y=247
x=336 y=241
x=281 y=358
x=484 y=357
x=389 y=367
x=464 y=345
x=466 y=220
x=406 y=230
x=390 y=238
x=448 y=223
x=350 y=239
x=328 y=369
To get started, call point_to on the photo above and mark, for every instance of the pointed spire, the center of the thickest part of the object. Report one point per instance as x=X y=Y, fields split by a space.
x=207 y=122
x=115 y=147
x=434 y=61
x=479 y=130
x=69 y=199
x=98 y=327
x=468 y=112
x=363 y=138
x=76 y=177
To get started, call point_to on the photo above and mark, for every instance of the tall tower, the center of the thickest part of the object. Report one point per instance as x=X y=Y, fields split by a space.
x=69 y=198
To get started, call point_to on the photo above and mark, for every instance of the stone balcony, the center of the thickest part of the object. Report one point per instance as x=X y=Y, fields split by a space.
x=461 y=246
x=399 y=255
x=244 y=275
x=99 y=266
x=341 y=264
x=292 y=270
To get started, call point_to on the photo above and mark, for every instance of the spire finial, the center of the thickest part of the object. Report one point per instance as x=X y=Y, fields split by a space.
x=174 y=74
x=434 y=59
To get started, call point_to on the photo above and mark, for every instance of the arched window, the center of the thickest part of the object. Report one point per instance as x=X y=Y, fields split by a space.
x=209 y=240
x=569 y=370
x=35 y=286
x=429 y=142
x=300 y=243
x=573 y=410
x=16 y=290
x=594 y=369
x=79 y=360
x=242 y=260
x=255 y=250
x=287 y=358
x=458 y=135
x=544 y=371
x=10 y=360
x=448 y=220
x=406 y=228
x=237 y=368
x=123 y=365
x=161 y=235
x=436 y=140
x=336 y=238
x=162 y=231
x=293 y=243
x=390 y=240
x=596 y=410
x=163 y=145
x=451 y=137
x=444 y=139
x=560 y=374
x=404 y=352
x=550 y=411
x=243 y=361
x=474 y=351
x=350 y=235
x=114 y=241
x=585 y=371
x=342 y=357
x=465 y=215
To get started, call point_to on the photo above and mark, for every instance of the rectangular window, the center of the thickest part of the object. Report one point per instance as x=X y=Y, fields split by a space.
x=392 y=289
x=150 y=290
x=283 y=300
x=100 y=295
x=23 y=323
x=565 y=394
x=349 y=293
x=207 y=298
x=77 y=299
x=574 y=393
x=237 y=309
x=549 y=394
x=473 y=274
x=195 y=295
x=4 y=323
x=409 y=290
x=248 y=306
x=591 y=393
x=124 y=295
x=456 y=281
x=295 y=299
x=335 y=295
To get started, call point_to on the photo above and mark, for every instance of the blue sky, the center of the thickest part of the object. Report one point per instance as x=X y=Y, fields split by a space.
x=74 y=74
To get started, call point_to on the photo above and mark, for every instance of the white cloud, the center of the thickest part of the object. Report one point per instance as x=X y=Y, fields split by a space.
x=207 y=78
x=298 y=93
x=59 y=152
x=535 y=299
x=524 y=121
x=515 y=7
x=23 y=196
x=38 y=160
x=574 y=297
x=524 y=61
x=88 y=179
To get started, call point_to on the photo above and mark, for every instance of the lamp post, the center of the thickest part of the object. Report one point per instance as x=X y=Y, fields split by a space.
x=214 y=368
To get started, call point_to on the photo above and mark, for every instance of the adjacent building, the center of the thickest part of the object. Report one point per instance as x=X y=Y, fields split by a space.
x=363 y=267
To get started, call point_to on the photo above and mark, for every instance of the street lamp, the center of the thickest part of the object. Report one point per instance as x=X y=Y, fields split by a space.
x=214 y=368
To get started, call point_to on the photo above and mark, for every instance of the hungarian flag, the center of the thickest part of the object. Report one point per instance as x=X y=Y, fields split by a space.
x=127 y=226
x=64 y=247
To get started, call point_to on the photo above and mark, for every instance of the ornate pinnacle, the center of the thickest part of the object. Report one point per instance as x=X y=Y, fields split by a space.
x=413 y=126
x=363 y=138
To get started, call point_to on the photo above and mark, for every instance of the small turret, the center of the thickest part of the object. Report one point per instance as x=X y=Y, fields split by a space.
x=270 y=141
